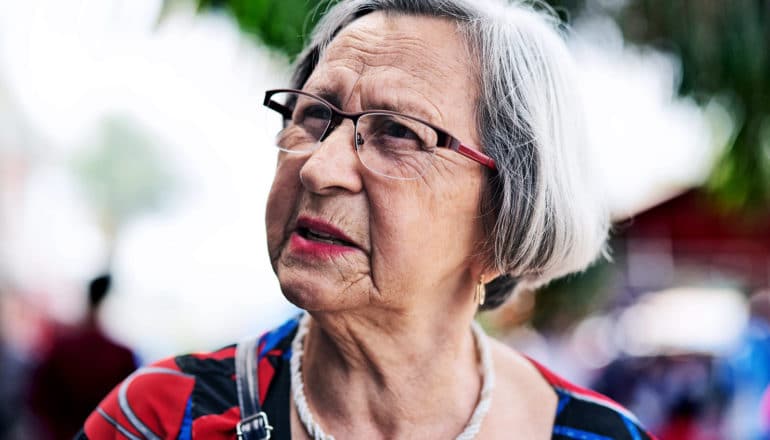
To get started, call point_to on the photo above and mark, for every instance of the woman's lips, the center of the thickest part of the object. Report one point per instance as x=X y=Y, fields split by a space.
x=315 y=237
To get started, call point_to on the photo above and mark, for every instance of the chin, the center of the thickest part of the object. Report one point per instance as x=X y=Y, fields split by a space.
x=315 y=292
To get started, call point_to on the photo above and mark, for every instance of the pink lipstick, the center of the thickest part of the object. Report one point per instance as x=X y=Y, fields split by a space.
x=315 y=237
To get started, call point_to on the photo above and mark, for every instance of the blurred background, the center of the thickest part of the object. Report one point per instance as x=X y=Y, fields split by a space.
x=132 y=144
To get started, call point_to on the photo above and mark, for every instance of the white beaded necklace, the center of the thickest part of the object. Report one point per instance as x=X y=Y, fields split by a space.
x=317 y=433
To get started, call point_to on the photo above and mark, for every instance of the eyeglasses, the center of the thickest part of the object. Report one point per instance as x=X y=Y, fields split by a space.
x=388 y=143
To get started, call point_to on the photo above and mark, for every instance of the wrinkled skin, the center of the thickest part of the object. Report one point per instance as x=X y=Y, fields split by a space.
x=417 y=238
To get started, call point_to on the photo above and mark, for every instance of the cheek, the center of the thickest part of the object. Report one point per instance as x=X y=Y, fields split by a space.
x=420 y=229
x=402 y=232
x=393 y=215
x=281 y=205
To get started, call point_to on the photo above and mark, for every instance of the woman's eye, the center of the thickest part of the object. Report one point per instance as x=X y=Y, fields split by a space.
x=400 y=131
x=315 y=112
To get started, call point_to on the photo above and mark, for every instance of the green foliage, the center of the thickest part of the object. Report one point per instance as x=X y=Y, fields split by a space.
x=725 y=51
x=283 y=25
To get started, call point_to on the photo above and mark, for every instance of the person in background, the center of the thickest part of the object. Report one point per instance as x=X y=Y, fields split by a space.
x=81 y=367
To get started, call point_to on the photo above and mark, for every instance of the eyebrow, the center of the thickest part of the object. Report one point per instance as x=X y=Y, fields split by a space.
x=409 y=109
x=331 y=95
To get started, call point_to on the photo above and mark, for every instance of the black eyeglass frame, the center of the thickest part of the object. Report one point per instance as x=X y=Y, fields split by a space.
x=443 y=138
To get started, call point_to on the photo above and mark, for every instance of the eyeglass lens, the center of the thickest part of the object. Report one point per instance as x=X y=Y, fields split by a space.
x=395 y=146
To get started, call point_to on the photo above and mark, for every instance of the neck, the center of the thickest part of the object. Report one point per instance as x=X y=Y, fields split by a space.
x=383 y=375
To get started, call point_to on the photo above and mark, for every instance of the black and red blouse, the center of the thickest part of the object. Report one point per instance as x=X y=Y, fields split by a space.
x=194 y=396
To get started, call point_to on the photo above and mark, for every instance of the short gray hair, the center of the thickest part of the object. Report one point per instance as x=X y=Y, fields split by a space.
x=542 y=215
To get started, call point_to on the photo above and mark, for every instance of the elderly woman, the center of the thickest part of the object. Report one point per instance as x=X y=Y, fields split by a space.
x=429 y=164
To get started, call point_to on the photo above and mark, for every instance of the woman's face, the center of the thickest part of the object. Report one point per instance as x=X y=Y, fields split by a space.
x=397 y=244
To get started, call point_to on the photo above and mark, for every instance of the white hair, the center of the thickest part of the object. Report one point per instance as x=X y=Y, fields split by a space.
x=543 y=216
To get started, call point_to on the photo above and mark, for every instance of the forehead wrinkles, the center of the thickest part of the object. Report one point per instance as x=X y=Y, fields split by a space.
x=364 y=47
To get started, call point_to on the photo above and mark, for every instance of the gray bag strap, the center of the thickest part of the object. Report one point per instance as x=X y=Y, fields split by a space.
x=254 y=424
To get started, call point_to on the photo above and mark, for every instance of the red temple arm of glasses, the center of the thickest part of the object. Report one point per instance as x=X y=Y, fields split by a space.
x=477 y=156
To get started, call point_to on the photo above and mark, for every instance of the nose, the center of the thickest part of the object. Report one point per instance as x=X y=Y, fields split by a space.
x=333 y=166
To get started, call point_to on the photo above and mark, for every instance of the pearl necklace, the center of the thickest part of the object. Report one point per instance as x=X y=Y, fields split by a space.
x=317 y=433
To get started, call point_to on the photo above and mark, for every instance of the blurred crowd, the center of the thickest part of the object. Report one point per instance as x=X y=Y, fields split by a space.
x=698 y=396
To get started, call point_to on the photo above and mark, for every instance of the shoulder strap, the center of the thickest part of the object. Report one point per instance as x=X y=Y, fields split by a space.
x=254 y=424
